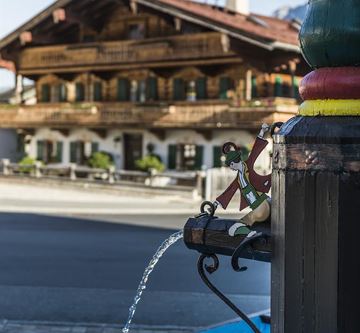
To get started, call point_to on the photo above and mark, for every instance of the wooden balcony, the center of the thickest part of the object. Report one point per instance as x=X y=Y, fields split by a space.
x=109 y=55
x=192 y=115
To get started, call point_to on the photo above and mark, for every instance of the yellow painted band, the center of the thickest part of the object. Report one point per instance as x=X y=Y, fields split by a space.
x=330 y=107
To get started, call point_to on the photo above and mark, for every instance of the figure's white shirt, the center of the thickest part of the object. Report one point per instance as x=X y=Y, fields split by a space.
x=242 y=180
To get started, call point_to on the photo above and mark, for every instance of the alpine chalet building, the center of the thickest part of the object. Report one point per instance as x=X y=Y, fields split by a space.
x=173 y=77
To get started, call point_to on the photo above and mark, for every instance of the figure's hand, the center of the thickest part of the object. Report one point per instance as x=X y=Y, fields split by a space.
x=264 y=129
x=216 y=204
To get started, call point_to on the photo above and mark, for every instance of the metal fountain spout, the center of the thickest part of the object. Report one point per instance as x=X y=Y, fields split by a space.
x=210 y=235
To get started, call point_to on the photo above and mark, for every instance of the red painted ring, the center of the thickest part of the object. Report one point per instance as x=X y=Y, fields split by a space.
x=331 y=83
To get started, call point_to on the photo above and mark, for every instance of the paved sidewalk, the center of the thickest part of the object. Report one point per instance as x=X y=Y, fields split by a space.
x=50 y=327
x=163 y=212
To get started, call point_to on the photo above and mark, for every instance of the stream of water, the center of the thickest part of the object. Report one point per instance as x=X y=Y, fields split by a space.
x=142 y=285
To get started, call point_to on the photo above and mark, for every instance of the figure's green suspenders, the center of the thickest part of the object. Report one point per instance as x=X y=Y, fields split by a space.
x=259 y=199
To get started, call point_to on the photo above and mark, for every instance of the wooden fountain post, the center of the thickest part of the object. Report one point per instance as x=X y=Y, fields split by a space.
x=316 y=183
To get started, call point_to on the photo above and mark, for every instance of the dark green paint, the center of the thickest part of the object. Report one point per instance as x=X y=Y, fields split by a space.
x=330 y=35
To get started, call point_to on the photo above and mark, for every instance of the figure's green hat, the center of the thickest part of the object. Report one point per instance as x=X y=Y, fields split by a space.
x=231 y=155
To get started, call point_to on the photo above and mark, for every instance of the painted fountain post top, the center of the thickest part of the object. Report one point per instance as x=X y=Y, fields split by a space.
x=315 y=279
x=330 y=43
x=330 y=34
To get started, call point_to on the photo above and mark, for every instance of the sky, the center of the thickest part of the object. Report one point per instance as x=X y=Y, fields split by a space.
x=16 y=12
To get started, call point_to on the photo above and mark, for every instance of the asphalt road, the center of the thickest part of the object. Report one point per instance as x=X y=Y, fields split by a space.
x=80 y=270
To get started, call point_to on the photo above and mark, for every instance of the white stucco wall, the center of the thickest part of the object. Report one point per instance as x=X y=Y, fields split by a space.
x=113 y=143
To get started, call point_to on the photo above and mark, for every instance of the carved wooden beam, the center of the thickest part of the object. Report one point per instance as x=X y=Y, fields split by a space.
x=9 y=65
x=133 y=7
x=177 y=23
x=225 y=43
x=60 y=15
x=27 y=37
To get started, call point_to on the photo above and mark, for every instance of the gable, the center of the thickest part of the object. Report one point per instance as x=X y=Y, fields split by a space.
x=68 y=21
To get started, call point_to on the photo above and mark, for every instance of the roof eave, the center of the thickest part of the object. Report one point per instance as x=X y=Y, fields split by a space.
x=286 y=47
x=193 y=19
x=32 y=22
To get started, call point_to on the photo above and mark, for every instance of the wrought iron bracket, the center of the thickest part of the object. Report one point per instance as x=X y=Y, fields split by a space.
x=246 y=245
x=202 y=267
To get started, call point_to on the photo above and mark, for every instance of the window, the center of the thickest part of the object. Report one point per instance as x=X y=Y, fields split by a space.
x=201 y=88
x=226 y=85
x=80 y=92
x=254 y=90
x=138 y=91
x=123 y=90
x=144 y=90
x=97 y=91
x=295 y=87
x=152 y=89
x=278 y=87
x=45 y=93
x=185 y=157
x=136 y=30
x=81 y=151
x=49 y=151
x=178 y=89
x=191 y=90
x=217 y=157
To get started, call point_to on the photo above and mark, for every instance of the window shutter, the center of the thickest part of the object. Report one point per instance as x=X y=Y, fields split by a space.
x=296 y=88
x=278 y=87
x=94 y=147
x=201 y=91
x=123 y=90
x=172 y=149
x=73 y=152
x=178 y=89
x=254 y=92
x=80 y=92
x=152 y=89
x=40 y=150
x=59 y=151
x=199 y=157
x=225 y=84
x=217 y=154
x=97 y=91
x=45 y=93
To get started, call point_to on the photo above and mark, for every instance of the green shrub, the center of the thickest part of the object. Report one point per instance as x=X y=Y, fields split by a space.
x=150 y=162
x=100 y=160
x=27 y=164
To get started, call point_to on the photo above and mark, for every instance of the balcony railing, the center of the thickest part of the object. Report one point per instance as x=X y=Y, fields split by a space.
x=123 y=52
x=213 y=114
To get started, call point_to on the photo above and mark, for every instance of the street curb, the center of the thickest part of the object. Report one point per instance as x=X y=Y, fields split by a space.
x=19 y=326
x=122 y=189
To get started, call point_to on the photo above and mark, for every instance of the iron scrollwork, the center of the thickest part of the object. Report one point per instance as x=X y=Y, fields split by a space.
x=202 y=267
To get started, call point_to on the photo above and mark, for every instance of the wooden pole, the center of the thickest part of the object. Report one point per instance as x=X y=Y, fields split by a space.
x=316 y=184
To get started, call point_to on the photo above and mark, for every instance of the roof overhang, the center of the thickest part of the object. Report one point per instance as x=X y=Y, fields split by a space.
x=168 y=9
x=33 y=22
x=188 y=16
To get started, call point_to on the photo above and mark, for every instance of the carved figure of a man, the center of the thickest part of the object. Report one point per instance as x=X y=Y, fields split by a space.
x=252 y=186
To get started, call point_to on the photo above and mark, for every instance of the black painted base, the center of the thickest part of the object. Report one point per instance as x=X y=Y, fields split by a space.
x=316 y=226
